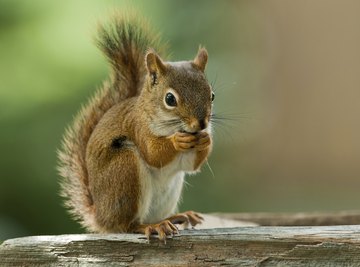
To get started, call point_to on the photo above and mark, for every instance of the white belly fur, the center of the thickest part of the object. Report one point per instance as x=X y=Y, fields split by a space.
x=161 y=188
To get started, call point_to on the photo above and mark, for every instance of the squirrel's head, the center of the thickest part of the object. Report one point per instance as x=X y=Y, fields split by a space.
x=179 y=94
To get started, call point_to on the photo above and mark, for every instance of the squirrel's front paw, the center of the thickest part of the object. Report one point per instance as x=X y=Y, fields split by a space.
x=203 y=141
x=184 y=141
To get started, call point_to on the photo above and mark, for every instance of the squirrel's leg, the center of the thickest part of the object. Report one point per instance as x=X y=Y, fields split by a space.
x=162 y=229
x=203 y=148
x=115 y=188
x=186 y=218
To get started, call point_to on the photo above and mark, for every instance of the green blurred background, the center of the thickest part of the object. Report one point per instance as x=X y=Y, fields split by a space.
x=286 y=76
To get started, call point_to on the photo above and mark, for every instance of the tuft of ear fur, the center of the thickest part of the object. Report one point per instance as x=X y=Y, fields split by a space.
x=154 y=65
x=201 y=59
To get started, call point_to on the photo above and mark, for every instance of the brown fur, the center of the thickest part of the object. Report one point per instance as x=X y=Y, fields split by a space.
x=127 y=122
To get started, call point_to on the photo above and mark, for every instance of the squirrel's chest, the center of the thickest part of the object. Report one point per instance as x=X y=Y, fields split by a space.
x=161 y=188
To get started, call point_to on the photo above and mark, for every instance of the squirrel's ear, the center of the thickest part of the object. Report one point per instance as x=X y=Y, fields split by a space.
x=154 y=65
x=201 y=59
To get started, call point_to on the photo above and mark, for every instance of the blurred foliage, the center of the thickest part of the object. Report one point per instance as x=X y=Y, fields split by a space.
x=49 y=66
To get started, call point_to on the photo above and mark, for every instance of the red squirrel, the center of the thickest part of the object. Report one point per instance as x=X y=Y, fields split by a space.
x=124 y=159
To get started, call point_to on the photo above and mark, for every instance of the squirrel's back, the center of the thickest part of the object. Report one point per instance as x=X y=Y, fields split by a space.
x=124 y=41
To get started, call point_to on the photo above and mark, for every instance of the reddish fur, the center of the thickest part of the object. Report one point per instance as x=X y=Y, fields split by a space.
x=101 y=174
x=201 y=157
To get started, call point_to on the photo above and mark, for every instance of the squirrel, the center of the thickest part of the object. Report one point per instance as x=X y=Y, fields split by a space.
x=124 y=158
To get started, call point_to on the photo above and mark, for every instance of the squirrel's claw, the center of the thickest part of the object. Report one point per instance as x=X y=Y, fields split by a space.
x=186 y=218
x=162 y=229
x=167 y=227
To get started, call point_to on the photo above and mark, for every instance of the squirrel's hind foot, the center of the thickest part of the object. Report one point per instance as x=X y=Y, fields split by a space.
x=167 y=227
x=186 y=218
x=162 y=229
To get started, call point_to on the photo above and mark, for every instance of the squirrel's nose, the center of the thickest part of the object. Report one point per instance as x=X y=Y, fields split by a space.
x=202 y=124
x=198 y=125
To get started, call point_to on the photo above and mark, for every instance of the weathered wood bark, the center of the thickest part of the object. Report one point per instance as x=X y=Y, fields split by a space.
x=245 y=246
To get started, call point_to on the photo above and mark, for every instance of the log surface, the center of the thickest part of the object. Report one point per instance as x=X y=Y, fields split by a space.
x=240 y=246
x=295 y=219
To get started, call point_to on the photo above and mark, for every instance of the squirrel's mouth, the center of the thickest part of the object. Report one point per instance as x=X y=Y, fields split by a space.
x=184 y=131
x=188 y=131
x=193 y=129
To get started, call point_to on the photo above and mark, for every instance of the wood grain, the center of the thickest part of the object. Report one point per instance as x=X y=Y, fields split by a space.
x=240 y=246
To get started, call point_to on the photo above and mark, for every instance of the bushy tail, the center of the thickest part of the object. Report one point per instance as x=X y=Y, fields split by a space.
x=124 y=41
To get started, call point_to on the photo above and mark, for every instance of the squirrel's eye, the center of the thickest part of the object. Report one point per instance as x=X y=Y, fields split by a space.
x=170 y=100
x=212 y=96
